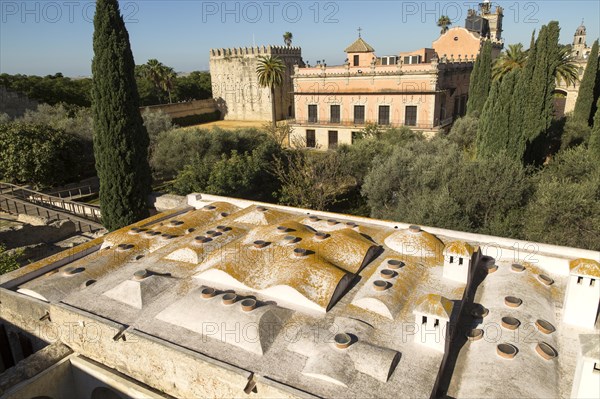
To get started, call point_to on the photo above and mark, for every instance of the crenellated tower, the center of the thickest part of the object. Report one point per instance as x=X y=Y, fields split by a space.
x=235 y=83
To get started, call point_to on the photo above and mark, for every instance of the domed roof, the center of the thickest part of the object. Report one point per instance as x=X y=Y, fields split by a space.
x=581 y=30
x=415 y=242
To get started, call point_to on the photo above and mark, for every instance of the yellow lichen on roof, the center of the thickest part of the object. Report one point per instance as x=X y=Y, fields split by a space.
x=435 y=305
x=416 y=244
x=343 y=248
x=585 y=267
x=179 y=224
x=253 y=215
x=459 y=248
x=260 y=269
x=316 y=275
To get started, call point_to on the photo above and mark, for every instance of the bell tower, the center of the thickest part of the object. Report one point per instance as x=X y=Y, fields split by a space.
x=579 y=44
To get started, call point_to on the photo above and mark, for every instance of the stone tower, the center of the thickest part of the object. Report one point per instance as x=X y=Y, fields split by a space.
x=235 y=84
x=579 y=42
x=494 y=19
x=487 y=23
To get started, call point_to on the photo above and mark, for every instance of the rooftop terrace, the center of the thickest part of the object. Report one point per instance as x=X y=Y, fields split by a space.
x=227 y=295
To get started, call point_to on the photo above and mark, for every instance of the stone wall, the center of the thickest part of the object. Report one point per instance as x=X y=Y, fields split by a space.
x=235 y=84
x=15 y=104
x=180 y=110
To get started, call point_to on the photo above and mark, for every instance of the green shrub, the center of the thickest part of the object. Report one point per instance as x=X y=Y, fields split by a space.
x=566 y=207
x=177 y=148
x=37 y=154
x=241 y=175
x=9 y=261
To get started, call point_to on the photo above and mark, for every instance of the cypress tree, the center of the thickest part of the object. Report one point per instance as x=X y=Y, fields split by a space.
x=585 y=99
x=485 y=133
x=520 y=98
x=539 y=109
x=495 y=135
x=481 y=80
x=594 y=144
x=120 y=138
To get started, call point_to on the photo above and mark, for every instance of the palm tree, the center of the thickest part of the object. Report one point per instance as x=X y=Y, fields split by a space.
x=444 y=22
x=287 y=38
x=516 y=58
x=513 y=58
x=154 y=70
x=270 y=72
x=566 y=70
x=168 y=77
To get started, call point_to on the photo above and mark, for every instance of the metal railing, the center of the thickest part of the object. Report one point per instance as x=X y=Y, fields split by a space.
x=20 y=200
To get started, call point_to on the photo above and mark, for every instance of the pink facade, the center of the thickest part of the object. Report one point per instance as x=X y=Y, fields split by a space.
x=334 y=102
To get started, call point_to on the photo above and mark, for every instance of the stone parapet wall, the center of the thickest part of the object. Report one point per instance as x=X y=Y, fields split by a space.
x=180 y=110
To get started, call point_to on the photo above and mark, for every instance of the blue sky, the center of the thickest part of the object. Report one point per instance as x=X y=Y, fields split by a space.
x=45 y=37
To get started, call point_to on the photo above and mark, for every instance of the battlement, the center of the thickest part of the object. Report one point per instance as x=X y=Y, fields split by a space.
x=257 y=50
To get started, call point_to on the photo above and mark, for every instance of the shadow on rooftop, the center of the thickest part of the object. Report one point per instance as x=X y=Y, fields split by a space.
x=464 y=323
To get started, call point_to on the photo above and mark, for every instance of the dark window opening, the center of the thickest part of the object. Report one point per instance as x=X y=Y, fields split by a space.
x=411 y=115
x=460 y=261
x=312 y=113
x=5 y=353
x=451 y=259
x=579 y=280
x=333 y=139
x=359 y=114
x=311 y=140
x=456 y=111
x=463 y=105
x=355 y=136
x=424 y=320
x=334 y=116
x=356 y=59
x=26 y=345
x=592 y=282
x=384 y=114
x=437 y=323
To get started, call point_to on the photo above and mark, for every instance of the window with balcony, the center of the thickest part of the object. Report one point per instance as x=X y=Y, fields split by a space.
x=333 y=139
x=312 y=113
x=384 y=114
x=359 y=114
x=311 y=139
x=410 y=115
x=334 y=114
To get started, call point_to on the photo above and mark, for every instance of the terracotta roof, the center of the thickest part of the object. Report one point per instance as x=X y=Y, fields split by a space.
x=359 y=46
x=435 y=305
x=585 y=267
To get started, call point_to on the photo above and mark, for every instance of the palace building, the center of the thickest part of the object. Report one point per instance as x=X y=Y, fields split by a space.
x=424 y=90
